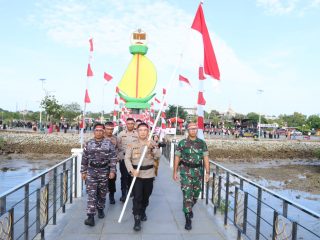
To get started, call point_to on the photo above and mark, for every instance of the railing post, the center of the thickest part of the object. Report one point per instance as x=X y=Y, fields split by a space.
x=54 y=197
x=173 y=143
x=3 y=205
x=219 y=191
x=26 y=211
x=38 y=211
x=78 y=183
x=71 y=180
x=245 y=212
x=258 y=213
x=226 y=206
x=285 y=208
x=75 y=177
x=294 y=231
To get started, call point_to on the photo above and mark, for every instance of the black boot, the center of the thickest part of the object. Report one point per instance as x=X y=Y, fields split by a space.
x=90 y=220
x=124 y=195
x=137 y=223
x=100 y=213
x=111 y=198
x=143 y=217
x=188 y=222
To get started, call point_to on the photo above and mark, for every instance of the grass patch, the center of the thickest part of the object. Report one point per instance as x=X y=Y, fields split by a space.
x=317 y=153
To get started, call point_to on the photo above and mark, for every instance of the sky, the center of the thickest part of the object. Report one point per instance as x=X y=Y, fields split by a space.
x=268 y=45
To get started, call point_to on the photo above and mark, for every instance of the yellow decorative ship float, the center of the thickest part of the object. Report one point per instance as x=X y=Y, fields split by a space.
x=140 y=78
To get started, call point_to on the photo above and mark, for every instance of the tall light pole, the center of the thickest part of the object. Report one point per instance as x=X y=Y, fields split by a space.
x=259 y=91
x=42 y=82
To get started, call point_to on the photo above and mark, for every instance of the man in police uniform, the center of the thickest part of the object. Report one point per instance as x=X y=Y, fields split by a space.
x=145 y=176
x=98 y=164
x=125 y=139
x=189 y=155
x=109 y=127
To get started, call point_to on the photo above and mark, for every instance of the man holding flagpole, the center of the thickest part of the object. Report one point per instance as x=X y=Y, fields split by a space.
x=145 y=176
x=188 y=158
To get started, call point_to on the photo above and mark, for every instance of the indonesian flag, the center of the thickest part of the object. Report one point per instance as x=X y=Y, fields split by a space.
x=157 y=100
x=209 y=62
x=91 y=44
x=107 y=77
x=86 y=97
x=164 y=91
x=89 y=71
x=183 y=79
x=116 y=101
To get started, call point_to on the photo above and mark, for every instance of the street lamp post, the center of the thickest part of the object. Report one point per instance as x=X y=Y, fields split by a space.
x=259 y=91
x=40 y=120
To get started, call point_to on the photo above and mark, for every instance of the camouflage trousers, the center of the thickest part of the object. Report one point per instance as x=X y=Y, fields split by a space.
x=191 y=188
x=97 y=187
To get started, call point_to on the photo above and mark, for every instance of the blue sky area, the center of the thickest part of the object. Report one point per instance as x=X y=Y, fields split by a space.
x=271 y=45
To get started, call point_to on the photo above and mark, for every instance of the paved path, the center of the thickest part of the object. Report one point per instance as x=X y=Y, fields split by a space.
x=165 y=218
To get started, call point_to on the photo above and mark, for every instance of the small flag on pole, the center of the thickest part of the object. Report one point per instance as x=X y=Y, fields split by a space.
x=184 y=79
x=157 y=100
x=86 y=97
x=89 y=71
x=117 y=89
x=164 y=91
x=91 y=44
x=107 y=76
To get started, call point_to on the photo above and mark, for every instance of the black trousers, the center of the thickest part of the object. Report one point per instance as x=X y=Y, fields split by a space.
x=112 y=184
x=142 y=190
x=125 y=177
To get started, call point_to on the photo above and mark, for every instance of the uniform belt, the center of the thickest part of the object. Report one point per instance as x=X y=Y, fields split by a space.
x=190 y=165
x=98 y=165
x=146 y=167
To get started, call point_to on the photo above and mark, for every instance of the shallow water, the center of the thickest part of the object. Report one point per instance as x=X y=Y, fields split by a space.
x=14 y=172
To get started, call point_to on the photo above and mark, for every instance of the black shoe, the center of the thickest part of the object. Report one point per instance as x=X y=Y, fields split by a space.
x=100 y=213
x=124 y=196
x=90 y=220
x=191 y=214
x=137 y=223
x=188 y=225
x=111 y=198
x=143 y=217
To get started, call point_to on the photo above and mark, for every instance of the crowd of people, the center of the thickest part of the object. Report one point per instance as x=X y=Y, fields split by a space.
x=104 y=152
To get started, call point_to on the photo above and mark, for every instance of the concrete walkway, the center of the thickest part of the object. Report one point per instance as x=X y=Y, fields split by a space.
x=165 y=217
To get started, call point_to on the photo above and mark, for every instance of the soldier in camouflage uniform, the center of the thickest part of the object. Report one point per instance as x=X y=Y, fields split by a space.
x=109 y=127
x=189 y=155
x=98 y=164
x=125 y=139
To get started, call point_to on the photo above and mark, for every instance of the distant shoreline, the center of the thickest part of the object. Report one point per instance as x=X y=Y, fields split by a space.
x=219 y=149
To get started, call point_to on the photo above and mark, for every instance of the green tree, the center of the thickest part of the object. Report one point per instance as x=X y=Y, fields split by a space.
x=294 y=120
x=171 y=112
x=52 y=107
x=314 y=121
x=71 y=111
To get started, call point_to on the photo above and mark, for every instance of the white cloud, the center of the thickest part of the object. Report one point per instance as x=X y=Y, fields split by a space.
x=72 y=23
x=283 y=7
x=278 y=7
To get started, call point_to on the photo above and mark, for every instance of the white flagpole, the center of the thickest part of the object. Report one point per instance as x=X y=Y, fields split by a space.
x=173 y=76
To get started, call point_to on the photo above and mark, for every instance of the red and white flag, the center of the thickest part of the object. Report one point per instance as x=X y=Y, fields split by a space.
x=107 y=76
x=86 y=97
x=91 y=44
x=89 y=71
x=210 y=64
x=164 y=91
x=157 y=100
x=183 y=79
